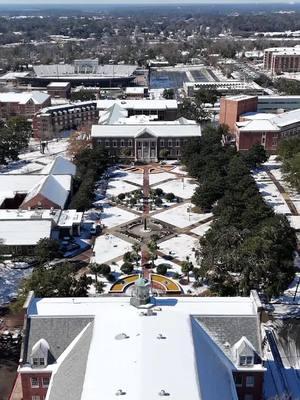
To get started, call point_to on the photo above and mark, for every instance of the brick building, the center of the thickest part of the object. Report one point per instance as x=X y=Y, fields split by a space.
x=59 y=89
x=24 y=104
x=146 y=142
x=232 y=107
x=208 y=348
x=249 y=127
x=51 y=121
x=230 y=86
x=282 y=59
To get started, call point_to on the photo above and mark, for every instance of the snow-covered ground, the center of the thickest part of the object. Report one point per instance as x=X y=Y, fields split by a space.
x=180 y=216
x=183 y=188
x=159 y=177
x=116 y=186
x=202 y=229
x=271 y=194
x=108 y=247
x=114 y=216
x=124 y=175
x=180 y=247
x=179 y=170
x=34 y=161
x=11 y=279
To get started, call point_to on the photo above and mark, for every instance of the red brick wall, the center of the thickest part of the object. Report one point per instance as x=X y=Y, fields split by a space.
x=230 y=110
x=26 y=110
x=28 y=391
x=245 y=140
x=256 y=390
x=39 y=201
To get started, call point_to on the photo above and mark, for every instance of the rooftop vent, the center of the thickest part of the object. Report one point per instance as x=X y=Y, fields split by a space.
x=227 y=345
x=120 y=392
x=163 y=393
x=161 y=336
x=122 y=336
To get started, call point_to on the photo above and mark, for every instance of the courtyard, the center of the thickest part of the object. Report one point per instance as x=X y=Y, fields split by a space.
x=131 y=214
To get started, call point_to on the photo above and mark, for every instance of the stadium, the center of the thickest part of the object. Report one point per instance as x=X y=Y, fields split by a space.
x=82 y=72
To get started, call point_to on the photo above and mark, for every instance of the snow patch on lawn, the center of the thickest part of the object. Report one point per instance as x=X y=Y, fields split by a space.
x=202 y=229
x=181 y=217
x=116 y=186
x=183 y=188
x=180 y=247
x=108 y=247
x=114 y=216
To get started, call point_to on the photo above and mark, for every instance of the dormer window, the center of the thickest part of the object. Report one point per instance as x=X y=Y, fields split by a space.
x=39 y=354
x=38 y=362
x=246 y=360
x=244 y=353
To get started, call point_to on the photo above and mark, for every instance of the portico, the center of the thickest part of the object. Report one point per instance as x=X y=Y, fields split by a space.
x=146 y=147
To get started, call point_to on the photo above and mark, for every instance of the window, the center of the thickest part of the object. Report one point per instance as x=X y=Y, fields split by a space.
x=177 y=143
x=238 y=379
x=129 y=143
x=169 y=143
x=35 y=362
x=45 y=382
x=246 y=360
x=162 y=143
x=42 y=361
x=35 y=397
x=250 y=381
x=35 y=382
x=106 y=143
x=115 y=144
x=122 y=143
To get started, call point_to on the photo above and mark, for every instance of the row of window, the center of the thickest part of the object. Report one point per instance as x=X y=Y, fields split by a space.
x=239 y=380
x=36 y=397
x=36 y=382
x=38 y=362
x=246 y=360
x=129 y=143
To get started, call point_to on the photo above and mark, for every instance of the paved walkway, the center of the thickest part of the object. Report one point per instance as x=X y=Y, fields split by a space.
x=285 y=195
x=146 y=193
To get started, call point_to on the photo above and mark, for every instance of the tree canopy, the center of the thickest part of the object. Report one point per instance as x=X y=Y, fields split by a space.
x=14 y=137
x=248 y=246
x=289 y=152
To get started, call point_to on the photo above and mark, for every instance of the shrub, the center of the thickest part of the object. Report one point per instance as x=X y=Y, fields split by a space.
x=170 y=196
x=121 y=196
x=162 y=269
x=158 y=201
x=127 y=268
x=159 y=192
x=105 y=269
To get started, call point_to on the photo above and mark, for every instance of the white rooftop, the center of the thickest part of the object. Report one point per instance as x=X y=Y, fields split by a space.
x=58 y=84
x=24 y=232
x=23 y=97
x=18 y=214
x=269 y=122
x=60 y=166
x=155 y=130
x=139 y=104
x=128 y=364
